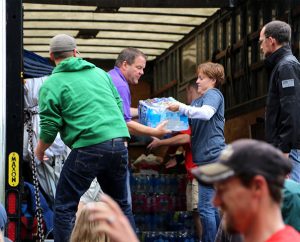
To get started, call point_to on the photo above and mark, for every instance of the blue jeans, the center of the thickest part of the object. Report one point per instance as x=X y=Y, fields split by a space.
x=108 y=161
x=295 y=158
x=209 y=214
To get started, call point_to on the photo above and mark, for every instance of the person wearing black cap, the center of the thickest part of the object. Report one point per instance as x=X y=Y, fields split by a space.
x=248 y=178
x=80 y=101
x=283 y=100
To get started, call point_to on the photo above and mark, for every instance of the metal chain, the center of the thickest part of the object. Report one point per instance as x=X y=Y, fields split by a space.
x=39 y=214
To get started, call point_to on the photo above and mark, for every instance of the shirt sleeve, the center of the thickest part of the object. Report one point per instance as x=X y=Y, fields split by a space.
x=50 y=118
x=124 y=93
x=204 y=112
x=125 y=96
x=212 y=100
x=116 y=94
x=286 y=82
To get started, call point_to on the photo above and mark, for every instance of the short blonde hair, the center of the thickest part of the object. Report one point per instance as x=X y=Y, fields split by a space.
x=214 y=71
x=83 y=230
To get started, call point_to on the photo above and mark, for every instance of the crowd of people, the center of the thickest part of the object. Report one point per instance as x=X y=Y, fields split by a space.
x=234 y=191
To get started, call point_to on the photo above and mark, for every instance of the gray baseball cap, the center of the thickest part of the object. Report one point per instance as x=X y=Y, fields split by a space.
x=62 y=43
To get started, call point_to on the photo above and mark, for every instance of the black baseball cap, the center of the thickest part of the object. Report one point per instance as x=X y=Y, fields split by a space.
x=246 y=156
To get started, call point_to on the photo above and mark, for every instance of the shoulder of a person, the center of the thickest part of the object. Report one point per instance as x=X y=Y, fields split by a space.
x=291 y=187
x=54 y=82
x=214 y=92
x=288 y=60
x=101 y=71
x=112 y=72
x=47 y=83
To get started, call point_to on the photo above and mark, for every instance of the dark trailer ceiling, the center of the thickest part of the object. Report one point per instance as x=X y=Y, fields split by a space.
x=103 y=28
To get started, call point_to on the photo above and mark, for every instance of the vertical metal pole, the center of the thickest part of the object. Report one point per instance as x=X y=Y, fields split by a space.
x=14 y=114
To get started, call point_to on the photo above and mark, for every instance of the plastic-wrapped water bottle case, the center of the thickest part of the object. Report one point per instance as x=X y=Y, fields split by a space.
x=154 y=111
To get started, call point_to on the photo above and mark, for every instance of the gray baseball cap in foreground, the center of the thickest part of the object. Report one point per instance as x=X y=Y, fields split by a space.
x=246 y=157
x=62 y=43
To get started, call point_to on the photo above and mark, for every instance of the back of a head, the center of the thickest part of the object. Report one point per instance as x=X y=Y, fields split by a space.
x=62 y=46
x=129 y=55
x=83 y=230
x=279 y=30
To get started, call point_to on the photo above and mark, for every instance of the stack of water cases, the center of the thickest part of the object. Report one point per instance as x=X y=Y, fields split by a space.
x=153 y=111
x=159 y=206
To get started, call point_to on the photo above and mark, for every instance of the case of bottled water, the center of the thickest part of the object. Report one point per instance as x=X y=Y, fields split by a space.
x=154 y=111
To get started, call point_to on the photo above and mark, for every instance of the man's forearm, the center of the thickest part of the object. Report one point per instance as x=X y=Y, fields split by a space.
x=40 y=149
x=136 y=128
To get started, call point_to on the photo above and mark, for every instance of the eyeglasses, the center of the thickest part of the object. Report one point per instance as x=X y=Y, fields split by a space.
x=262 y=40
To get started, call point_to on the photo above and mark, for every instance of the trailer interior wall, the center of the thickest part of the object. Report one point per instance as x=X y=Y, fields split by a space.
x=229 y=37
